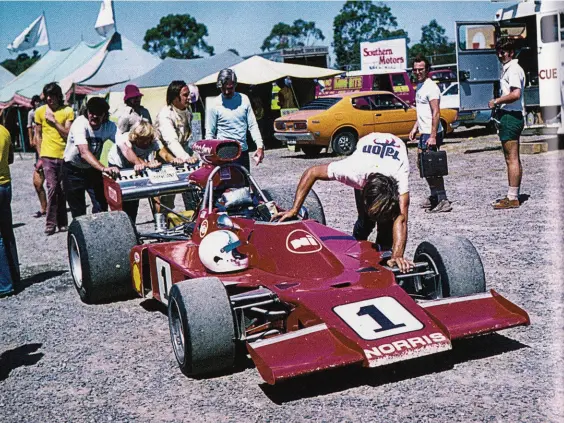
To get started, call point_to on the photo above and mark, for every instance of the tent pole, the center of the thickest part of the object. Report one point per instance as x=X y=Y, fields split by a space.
x=21 y=130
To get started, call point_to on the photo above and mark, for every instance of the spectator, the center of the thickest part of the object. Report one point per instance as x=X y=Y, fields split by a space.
x=9 y=265
x=136 y=149
x=174 y=125
x=53 y=123
x=133 y=112
x=378 y=170
x=431 y=133
x=38 y=176
x=229 y=117
x=82 y=169
x=286 y=94
x=511 y=123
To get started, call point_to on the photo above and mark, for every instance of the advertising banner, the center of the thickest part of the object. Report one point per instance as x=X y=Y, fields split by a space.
x=384 y=54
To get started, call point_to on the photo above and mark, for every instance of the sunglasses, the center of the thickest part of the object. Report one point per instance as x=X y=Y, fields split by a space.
x=418 y=70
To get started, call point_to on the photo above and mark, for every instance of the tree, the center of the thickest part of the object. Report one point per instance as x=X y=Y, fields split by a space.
x=177 y=36
x=361 y=21
x=434 y=45
x=299 y=34
x=20 y=63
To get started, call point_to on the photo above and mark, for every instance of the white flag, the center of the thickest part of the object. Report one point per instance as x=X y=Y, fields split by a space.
x=105 y=22
x=33 y=35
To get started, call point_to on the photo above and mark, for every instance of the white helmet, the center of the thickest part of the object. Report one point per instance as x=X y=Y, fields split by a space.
x=218 y=252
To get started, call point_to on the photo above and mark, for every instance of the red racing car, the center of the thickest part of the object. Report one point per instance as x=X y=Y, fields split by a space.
x=300 y=296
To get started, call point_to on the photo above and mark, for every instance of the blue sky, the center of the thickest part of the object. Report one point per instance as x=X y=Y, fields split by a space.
x=242 y=25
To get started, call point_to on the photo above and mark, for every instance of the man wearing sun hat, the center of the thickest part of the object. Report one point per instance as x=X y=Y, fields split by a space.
x=133 y=113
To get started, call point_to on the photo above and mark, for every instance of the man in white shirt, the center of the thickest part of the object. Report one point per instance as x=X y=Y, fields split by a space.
x=511 y=123
x=230 y=115
x=82 y=170
x=431 y=133
x=378 y=170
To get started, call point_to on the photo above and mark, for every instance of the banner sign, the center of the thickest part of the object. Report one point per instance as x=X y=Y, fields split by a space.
x=384 y=54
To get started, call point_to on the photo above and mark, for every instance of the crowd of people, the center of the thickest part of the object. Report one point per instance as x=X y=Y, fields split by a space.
x=69 y=151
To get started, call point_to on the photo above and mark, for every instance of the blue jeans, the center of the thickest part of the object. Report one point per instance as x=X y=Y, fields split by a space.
x=9 y=264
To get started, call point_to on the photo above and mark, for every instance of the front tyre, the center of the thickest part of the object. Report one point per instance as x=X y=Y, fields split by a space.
x=457 y=264
x=284 y=198
x=201 y=324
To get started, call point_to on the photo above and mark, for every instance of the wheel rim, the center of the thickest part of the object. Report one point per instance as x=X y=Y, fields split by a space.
x=439 y=286
x=344 y=143
x=177 y=331
x=75 y=262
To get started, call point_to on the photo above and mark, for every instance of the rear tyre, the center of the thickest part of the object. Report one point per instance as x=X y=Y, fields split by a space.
x=201 y=326
x=98 y=247
x=457 y=264
x=311 y=150
x=284 y=197
x=344 y=143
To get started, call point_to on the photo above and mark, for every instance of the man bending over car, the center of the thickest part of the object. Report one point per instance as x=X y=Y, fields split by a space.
x=378 y=170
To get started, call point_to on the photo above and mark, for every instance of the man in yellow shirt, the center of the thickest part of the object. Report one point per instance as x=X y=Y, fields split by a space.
x=9 y=265
x=53 y=123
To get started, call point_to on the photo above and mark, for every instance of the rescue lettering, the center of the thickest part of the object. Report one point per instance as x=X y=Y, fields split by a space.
x=548 y=73
x=405 y=344
x=386 y=149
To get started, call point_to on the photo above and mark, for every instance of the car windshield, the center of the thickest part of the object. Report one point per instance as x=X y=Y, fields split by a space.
x=323 y=103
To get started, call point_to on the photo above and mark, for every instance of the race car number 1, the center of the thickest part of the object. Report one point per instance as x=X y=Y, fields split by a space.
x=378 y=318
x=164 y=277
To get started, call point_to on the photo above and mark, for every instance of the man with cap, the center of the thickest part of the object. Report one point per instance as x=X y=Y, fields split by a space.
x=229 y=117
x=82 y=170
x=133 y=113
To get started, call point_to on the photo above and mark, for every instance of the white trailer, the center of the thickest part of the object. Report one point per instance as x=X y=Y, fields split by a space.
x=537 y=28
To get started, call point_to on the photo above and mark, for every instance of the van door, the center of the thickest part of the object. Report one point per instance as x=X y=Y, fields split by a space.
x=548 y=49
x=478 y=67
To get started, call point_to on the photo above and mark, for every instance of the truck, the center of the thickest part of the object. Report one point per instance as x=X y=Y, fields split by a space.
x=537 y=27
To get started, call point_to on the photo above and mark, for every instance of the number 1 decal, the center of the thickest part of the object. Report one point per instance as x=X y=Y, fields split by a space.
x=378 y=318
x=165 y=279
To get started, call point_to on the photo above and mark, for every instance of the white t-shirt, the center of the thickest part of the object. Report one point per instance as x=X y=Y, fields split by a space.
x=81 y=133
x=426 y=92
x=513 y=76
x=375 y=153
x=117 y=158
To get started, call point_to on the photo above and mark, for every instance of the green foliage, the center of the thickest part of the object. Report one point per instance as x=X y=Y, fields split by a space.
x=360 y=21
x=300 y=34
x=434 y=45
x=177 y=36
x=20 y=63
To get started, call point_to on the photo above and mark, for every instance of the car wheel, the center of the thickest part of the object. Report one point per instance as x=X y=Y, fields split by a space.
x=284 y=197
x=201 y=326
x=444 y=125
x=98 y=247
x=311 y=150
x=456 y=263
x=344 y=143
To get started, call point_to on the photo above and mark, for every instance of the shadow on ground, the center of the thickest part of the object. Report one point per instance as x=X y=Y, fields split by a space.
x=18 y=357
x=338 y=380
x=37 y=278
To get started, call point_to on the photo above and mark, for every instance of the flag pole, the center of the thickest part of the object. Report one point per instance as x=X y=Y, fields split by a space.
x=46 y=30
x=114 y=14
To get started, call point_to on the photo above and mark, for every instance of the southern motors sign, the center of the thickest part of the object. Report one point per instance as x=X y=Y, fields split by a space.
x=384 y=54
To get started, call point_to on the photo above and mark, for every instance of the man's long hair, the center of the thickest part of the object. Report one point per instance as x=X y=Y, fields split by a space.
x=173 y=91
x=381 y=198
x=53 y=89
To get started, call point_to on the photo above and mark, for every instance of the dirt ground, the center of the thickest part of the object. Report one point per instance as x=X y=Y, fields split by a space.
x=64 y=361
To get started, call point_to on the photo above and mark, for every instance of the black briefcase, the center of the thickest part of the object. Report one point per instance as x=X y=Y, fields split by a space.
x=433 y=163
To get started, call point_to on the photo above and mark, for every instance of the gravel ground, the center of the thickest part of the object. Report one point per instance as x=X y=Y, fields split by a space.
x=64 y=361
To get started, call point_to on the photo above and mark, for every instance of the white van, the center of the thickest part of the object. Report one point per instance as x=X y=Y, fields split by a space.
x=538 y=30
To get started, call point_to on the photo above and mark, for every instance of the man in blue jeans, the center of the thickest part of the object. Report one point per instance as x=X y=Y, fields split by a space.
x=428 y=124
x=9 y=265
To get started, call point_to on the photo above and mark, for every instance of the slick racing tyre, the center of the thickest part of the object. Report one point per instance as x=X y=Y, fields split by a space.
x=98 y=247
x=284 y=198
x=201 y=324
x=456 y=262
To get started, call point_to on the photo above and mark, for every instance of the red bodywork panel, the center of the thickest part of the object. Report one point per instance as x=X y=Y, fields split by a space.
x=347 y=308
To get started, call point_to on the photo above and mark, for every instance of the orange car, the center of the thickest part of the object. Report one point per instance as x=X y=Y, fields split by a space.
x=338 y=121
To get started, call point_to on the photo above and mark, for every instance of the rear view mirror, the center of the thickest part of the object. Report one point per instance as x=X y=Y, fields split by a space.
x=463 y=75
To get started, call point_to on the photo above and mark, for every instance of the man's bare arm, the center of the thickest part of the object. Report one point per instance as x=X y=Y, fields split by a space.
x=400 y=237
